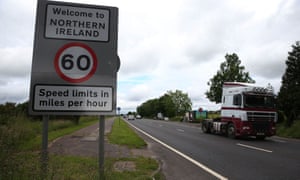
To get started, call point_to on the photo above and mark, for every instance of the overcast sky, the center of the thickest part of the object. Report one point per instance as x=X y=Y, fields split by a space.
x=166 y=45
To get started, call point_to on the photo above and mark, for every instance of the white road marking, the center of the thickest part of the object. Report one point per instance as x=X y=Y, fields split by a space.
x=180 y=130
x=253 y=147
x=205 y=168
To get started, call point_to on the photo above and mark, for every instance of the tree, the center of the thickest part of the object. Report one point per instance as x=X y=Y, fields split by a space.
x=289 y=93
x=230 y=71
x=167 y=106
x=170 y=104
x=181 y=101
x=149 y=108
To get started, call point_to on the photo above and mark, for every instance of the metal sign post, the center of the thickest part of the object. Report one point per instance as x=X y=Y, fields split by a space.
x=44 y=153
x=101 y=146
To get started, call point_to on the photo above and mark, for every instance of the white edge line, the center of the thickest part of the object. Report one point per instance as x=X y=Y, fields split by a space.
x=253 y=147
x=205 y=168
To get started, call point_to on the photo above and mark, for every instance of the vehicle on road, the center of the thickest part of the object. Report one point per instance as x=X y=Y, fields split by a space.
x=247 y=110
x=160 y=116
x=130 y=117
x=138 y=116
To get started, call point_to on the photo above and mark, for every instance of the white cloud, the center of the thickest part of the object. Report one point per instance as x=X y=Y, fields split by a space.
x=15 y=61
x=167 y=45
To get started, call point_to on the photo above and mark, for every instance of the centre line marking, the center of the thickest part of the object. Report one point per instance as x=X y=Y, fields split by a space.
x=205 y=168
x=253 y=147
x=180 y=130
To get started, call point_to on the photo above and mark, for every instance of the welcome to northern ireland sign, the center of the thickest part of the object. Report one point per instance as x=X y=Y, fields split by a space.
x=75 y=61
x=69 y=22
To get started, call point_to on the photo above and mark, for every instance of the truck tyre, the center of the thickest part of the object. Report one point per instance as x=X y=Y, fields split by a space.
x=205 y=127
x=231 y=131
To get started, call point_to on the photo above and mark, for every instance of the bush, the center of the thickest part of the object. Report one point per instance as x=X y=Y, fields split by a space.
x=291 y=132
x=281 y=117
x=176 y=118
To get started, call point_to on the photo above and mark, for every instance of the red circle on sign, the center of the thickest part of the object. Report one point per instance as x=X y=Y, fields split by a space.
x=62 y=74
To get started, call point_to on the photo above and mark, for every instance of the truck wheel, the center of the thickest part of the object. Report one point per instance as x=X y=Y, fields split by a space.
x=231 y=131
x=205 y=127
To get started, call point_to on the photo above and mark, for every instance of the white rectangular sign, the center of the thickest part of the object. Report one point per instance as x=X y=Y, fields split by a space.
x=77 y=23
x=75 y=59
x=72 y=98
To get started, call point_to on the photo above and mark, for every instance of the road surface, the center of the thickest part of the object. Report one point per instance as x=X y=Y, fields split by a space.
x=219 y=157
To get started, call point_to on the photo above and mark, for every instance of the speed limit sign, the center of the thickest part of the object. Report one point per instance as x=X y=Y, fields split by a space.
x=75 y=62
x=75 y=59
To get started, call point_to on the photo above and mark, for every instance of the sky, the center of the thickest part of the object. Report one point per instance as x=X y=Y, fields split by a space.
x=166 y=45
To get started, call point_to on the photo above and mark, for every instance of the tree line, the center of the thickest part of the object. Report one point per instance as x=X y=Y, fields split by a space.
x=170 y=104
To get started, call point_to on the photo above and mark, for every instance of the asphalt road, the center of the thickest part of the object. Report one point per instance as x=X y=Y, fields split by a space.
x=215 y=156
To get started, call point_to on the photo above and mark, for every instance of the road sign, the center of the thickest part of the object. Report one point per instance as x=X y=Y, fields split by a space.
x=75 y=61
x=73 y=22
x=72 y=98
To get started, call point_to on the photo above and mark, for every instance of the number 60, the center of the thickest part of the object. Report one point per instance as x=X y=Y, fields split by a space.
x=67 y=62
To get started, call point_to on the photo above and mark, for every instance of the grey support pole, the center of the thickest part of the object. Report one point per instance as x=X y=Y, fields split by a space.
x=101 y=146
x=44 y=153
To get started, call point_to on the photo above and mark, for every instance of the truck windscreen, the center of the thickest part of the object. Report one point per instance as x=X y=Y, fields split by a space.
x=255 y=100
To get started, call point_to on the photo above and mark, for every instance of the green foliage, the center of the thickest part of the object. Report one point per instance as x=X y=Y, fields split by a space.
x=27 y=166
x=176 y=118
x=21 y=135
x=167 y=105
x=149 y=108
x=56 y=129
x=214 y=114
x=289 y=94
x=292 y=132
x=230 y=71
x=181 y=101
x=281 y=117
x=170 y=104
x=20 y=138
x=122 y=134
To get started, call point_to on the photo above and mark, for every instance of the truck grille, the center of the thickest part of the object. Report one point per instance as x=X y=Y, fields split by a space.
x=262 y=126
x=261 y=116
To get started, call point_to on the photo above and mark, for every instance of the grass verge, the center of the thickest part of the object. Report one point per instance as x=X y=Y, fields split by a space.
x=122 y=134
x=56 y=130
x=290 y=132
x=27 y=166
x=24 y=163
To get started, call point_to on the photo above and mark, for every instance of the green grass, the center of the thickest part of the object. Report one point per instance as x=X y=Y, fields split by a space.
x=56 y=130
x=20 y=158
x=213 y=115
x=26 y=166
x=145 y=167
x=290 y=132
x=122 y=134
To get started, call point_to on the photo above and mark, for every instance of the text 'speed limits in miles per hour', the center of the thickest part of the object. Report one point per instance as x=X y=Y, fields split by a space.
x=72 y=98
